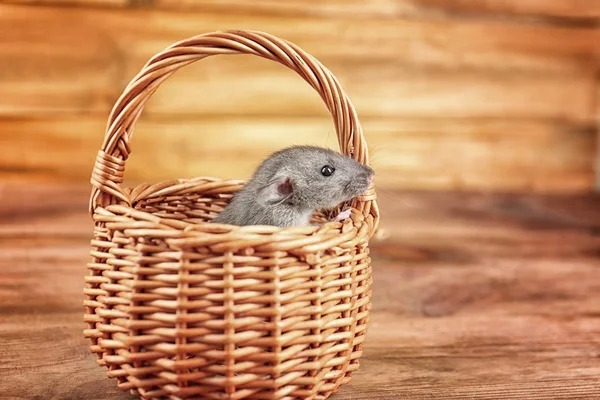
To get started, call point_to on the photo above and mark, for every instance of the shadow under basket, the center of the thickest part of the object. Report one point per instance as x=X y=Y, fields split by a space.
x=180 y=308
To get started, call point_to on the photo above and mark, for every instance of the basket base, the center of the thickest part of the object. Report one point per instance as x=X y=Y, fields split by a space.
x=182 y=310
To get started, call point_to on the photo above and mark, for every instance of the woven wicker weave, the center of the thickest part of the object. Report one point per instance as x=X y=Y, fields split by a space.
x=180 y=308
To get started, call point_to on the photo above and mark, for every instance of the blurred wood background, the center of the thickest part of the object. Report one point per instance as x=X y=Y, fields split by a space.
x=453 y=94
x=476 y=295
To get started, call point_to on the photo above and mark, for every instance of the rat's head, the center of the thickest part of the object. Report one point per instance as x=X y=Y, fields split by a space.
x=309 y=177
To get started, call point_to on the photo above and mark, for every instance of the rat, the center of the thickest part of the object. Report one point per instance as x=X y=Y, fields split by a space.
x=292 y=183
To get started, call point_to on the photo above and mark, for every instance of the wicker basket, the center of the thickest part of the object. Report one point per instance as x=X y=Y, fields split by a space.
x=179 y=308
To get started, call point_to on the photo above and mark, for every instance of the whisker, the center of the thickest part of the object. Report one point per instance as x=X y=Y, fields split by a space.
x=394 y=195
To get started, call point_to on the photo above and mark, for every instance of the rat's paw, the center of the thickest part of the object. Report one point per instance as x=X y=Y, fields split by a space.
x=343 y=215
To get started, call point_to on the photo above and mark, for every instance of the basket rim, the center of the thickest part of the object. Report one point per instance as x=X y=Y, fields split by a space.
x=182 y=234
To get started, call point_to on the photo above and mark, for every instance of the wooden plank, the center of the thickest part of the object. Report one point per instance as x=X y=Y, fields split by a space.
x=574 y=9
x=407 y=153
x=84 y=57
x=394 y=92
x=501 y=302
x=597 y=156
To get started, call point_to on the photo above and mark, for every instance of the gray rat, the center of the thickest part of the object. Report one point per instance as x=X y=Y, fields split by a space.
x=292 y=183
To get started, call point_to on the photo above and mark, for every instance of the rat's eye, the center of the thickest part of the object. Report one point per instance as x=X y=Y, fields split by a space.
x=327 y=170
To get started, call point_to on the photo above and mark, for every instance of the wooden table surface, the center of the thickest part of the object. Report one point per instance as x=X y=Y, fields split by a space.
x=475 y=297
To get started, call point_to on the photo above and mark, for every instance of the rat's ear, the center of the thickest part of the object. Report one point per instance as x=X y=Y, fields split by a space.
x=279 y=189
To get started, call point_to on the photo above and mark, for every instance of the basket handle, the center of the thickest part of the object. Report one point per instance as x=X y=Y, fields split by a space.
x=107 y=175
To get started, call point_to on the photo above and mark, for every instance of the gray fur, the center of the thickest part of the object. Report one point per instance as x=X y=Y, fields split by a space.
x=260 y=202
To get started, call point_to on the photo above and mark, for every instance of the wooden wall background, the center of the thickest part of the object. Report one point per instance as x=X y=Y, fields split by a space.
x=453 y=94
